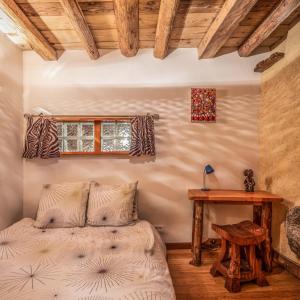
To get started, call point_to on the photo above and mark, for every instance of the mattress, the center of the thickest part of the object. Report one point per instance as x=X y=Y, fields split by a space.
x=89 y=263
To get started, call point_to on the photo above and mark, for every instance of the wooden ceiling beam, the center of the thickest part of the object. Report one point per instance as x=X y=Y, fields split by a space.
x=77 y=19
x=226 y=22
x=127 y=21
x=167 y=13
x=33 y=35
x=269 y=62
x=279 y=14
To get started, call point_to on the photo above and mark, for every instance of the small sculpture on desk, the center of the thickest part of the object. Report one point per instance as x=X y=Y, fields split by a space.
x=249 y=181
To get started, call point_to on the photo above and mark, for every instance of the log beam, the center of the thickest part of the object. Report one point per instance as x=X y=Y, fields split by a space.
x=279 y=14
x=167 y=12
x=33 y=35
x=127 y=21
x=76 y=18
x=269 y=62
x=226 y=22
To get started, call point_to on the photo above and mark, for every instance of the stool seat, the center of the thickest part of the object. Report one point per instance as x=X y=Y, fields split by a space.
x=239 y=258
x=243 y=234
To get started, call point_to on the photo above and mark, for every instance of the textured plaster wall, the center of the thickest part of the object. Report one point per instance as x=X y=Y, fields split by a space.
x=11 y=124
x=280 y=136
x=118 y=85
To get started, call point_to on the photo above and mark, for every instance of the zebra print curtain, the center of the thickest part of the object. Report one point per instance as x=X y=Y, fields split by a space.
x=142 y=136
x=41 y=139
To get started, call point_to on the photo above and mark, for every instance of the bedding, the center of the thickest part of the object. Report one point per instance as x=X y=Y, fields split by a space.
x=111 y=205
x=83 y=263
x=62 y=205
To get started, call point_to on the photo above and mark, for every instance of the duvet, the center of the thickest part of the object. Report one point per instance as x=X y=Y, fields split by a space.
x=89 y=263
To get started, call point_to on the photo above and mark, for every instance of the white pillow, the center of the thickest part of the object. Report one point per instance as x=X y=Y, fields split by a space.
x=111 y=205
x=62 y=205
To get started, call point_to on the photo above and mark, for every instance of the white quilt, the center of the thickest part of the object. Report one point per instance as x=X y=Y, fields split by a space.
x=90 y=263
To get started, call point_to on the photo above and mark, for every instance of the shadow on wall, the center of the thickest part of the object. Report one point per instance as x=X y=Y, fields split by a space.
x=10 y=151
x=183 y=148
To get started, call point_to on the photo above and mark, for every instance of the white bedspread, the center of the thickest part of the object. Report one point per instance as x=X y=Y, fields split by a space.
x=90 y=263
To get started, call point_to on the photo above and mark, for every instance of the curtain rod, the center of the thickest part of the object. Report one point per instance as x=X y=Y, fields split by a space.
x=155 y=116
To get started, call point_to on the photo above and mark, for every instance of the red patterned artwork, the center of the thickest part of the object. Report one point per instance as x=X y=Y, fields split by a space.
x=203 y=105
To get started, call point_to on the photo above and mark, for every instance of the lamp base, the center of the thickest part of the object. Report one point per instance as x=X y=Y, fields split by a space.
x=205 y=189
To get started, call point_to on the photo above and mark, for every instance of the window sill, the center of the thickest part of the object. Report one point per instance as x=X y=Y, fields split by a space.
x=112 y=153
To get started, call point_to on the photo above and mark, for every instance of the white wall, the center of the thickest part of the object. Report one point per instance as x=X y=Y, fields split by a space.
x=117 y=85
x=11 y=124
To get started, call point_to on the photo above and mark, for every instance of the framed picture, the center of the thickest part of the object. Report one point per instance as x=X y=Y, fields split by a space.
x=203 y=105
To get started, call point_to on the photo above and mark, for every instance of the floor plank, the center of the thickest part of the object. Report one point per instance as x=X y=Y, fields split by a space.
x=195 y=283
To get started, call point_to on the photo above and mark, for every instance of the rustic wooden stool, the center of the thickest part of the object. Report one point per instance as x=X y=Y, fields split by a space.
x=239 y=259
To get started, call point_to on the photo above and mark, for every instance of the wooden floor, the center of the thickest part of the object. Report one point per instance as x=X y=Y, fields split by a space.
x=195 y=283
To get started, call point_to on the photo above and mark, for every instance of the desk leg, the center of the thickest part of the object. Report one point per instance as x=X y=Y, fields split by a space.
x=197 y=233
x=257 y=210
x=266 y=222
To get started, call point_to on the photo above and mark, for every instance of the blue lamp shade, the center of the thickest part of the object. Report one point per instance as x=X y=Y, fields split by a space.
x=209 y=169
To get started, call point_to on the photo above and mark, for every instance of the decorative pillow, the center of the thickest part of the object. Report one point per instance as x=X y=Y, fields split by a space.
x=62 y=205
x=111 y=205
x=135 y=211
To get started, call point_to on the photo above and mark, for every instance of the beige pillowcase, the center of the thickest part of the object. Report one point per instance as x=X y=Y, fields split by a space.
x=62 y=205
x=111 y=205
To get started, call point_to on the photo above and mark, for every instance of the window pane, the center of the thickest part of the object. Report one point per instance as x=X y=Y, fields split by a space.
x=76 y=136
x=59 y=129
x=115 y=136
x=72 y=129
x=108 y=129
x=123 y=129
x=87 y=129
x=61 y=147
x=71 y=146
x=123 y=144
x=107 y=145
x=88 y=145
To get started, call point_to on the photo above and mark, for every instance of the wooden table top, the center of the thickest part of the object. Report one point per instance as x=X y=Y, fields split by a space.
x=239 y=196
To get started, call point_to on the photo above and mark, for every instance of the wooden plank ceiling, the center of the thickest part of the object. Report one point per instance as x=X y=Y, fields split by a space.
x=215 y=27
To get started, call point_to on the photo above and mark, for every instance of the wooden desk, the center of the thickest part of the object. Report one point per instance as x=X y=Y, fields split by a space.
x=262 y=215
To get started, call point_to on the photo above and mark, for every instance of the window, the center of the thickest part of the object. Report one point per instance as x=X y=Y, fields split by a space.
x=93 y=137
x=115 y=136
x=76 y=137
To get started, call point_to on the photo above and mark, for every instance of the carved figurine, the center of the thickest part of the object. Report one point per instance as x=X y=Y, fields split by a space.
x=249 y=181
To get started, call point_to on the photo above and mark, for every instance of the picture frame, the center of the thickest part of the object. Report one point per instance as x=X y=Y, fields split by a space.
x=203 y=105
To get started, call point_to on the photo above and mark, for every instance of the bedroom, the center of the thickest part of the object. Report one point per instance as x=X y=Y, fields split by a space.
x=155 y=59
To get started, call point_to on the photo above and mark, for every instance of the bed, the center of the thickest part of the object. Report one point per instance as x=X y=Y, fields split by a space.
x=88 y=263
